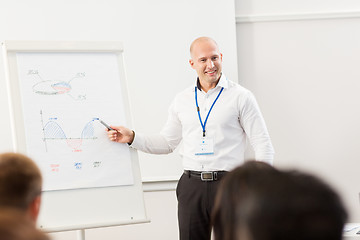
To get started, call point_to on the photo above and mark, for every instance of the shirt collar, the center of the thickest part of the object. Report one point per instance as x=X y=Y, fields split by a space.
x=223 y=82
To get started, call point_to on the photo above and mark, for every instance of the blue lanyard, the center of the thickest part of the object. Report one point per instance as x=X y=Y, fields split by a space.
x=198 y=109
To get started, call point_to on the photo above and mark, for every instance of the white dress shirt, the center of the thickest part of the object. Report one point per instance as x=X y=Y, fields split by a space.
x=234 y=116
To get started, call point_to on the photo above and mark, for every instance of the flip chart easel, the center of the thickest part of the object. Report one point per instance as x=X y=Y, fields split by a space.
x=77 y=208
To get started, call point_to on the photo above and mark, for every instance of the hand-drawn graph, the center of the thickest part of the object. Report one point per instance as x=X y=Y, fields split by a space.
x=55 y=87
x=52 y=131
x=62 y=95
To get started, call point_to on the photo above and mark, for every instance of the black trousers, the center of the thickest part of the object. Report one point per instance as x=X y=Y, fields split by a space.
x=195 y=203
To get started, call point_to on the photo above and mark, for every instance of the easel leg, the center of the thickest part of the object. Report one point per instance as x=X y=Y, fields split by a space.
x=81 y=234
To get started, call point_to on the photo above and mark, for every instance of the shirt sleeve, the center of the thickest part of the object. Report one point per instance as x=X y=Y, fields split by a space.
x=255 y=128
x=166 y=141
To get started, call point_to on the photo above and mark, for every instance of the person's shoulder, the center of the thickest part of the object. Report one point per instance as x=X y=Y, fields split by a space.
x=237 y=88
x=241 y=95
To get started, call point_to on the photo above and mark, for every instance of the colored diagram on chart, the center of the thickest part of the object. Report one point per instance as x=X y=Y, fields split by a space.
x=56 y=87
x=52 y=131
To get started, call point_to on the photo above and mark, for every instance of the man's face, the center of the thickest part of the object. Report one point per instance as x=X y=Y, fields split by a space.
x=207 y=61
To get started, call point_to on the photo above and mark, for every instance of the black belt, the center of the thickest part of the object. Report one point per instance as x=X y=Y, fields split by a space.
x=206 y=175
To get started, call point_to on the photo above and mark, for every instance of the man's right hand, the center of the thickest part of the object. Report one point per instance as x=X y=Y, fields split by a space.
x=121 y=134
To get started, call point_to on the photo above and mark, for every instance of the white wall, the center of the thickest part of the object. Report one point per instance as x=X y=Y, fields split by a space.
x=156 y=36
x=301 y=60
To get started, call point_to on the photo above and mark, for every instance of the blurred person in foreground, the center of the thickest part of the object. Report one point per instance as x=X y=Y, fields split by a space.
x=258 y=202
x=20 y=185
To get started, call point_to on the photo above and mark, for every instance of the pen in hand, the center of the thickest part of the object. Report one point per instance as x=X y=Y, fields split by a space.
x=107 y=126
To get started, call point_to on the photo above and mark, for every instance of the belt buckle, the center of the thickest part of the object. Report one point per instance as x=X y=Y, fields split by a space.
x=207 y=176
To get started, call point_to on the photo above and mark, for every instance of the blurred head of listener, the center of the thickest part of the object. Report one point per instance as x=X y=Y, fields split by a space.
x=258 y=202
x=14 y=225
x=20 y=184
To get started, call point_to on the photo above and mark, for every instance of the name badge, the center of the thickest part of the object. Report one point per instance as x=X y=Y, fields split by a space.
x=205 y=146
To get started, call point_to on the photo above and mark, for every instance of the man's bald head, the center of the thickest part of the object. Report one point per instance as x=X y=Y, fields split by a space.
x=199 y=41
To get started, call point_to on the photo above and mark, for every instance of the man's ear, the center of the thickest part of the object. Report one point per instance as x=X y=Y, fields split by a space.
x=34 y=208
x=191 y=63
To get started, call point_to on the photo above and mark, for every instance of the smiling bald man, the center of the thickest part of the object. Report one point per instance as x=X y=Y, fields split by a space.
x=213 y=118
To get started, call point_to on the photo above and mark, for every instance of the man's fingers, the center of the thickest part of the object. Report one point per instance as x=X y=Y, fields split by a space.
x=112 y=135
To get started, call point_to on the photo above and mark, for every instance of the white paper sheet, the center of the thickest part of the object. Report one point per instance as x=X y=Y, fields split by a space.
x=63 y=96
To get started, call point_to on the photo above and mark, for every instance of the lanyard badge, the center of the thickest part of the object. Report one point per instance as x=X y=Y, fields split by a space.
x=206 y=144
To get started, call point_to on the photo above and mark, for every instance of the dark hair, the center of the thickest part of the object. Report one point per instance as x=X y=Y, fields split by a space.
x=20 y=181
x=268 y=204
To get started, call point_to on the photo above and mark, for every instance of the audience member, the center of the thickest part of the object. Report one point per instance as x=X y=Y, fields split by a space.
x=20 y=184
x=258 y=202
